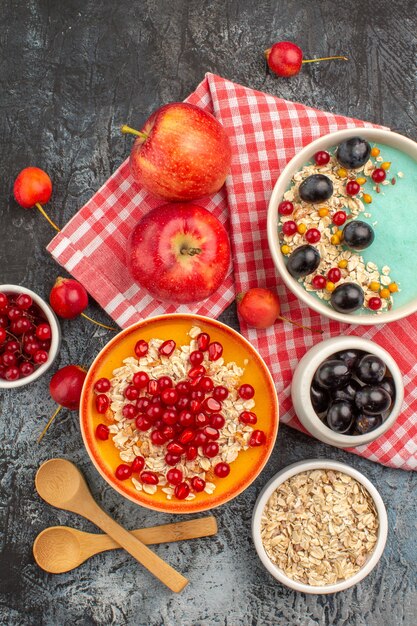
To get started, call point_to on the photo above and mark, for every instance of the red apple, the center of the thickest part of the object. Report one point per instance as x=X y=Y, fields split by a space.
x=179 y=252
x=182 y=153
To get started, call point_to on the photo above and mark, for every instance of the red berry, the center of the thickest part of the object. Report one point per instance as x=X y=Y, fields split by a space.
x=284 y=58
x=200 y=438
x=167 y=348
x=313 y=235
x=168 y=432
x=30 y=347
x=138 y=464
x=334 y=275
x=4 y=301
x=339 y=218
x=215 y=351
x=13 y=313
x=217 y=420
x=20 y=326
x=181 y=491
x=24 y=301
x=196 y=357
x=246 y=392
x=149 y=478
x=164 y=383
x=257 y=438
x=13 y=346
x=9 y=358
x=191 y=452
x=222 y=470
x=43 y=332
x=172 y=459
x=140 y=379
x=319 y=282
x=102 y=403
x=68 y=298
x=169 y=396
x=174 y=476
x=157 y=438
x=206 y=384
x=379 y=175
x=203 y=340
x=211 y=449
x=123 y=471
x=40 y=356
x=129 y=411
x=169 y=417
x=141 y=348
x=197 y=484
x=143 y=403
x=285 y=207
x=102 y=432
x=322 y=157
x=143 y=423
x=186 y=419
x=3 y=336
x=248 y=417
x=289 y=228
x=353 y=188
x=12 y=373
x=220 y=393
x=131 y=393
x=102 y=385
x=26 y=369
x=183 y=388
x=31 y=186
x=375 y=303
x=211 y=405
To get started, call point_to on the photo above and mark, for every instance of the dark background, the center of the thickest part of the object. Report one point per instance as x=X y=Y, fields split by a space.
x=70 y=73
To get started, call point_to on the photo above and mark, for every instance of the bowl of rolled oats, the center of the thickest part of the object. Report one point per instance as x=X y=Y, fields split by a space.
x=179 y=413
x=319 y=526
x=338 y=226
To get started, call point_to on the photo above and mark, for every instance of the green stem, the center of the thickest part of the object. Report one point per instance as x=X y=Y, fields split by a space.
x=131 y=131
x=324 y=59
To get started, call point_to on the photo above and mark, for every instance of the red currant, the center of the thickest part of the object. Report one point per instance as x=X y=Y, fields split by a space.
x=289 y=228
x=319 y=282
x=285 y=207
x=246 y=392
x=123 y=471
x=24 y=301
x=375 y=303
x=322 y=157
x=313 y=235
x=43 y=331
x=26 y=369
x=339 y=218
x=334 y=275
x=379 y=175
x=3 y=336
x=353 y=188
x=102 y=432
x=40 y=356
x=12 y=373
x=4 y=301
x=20 y=325
x=222 y=470
x=102 y=385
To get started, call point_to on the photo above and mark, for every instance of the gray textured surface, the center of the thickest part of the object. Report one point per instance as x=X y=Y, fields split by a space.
x=70 y=73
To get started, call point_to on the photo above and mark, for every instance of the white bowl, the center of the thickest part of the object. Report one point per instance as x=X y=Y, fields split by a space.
x=325 y=143
x=55 y=337
x=303 y=466
x=303 y=376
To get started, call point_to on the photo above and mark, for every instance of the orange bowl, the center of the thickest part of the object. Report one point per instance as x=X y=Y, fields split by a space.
x=248 y=464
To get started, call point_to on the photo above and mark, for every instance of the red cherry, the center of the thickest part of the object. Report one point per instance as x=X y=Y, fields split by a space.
x=322 y=157
x=248 y=417
x=174 y=476
x=246 y=392
x=339 y=218
x=222 y=470
x=66 y=385
x=191 y=452
x=31 y=186
x=285 y=207
x=24 y=301
x=211 y=449
x=217 y=420
x=129 y=411
x=140 y=380
x=257 y=438
x=181 y=491
x=149 y=478
x=375 y=303
x=220 y=393
x=102 y=385
x=211 y=405
x=138 y=464
x=284 y=58
x=215 y=351
x=313 y=235
x=167 y=348
x=203 y=340
x=123 y=471
x=289 y=228
x=319 y=282
x=141 y=348
x=172 y=459
x=196 y=357
x=68 y=298
x=102 y=432
x=197 y=484
x=103 y=403
x=334 y=275
x=379 y=175
x=353 y=188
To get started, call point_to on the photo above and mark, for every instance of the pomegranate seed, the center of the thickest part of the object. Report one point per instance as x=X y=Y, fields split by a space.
x=164 y=383
x=149 y=478
x=222 y=470
x=24 y=301
x=123 y=471
x=182 y=403
x=198 y=370
x=289 y=228
x=319 y=282
x=168 y=432
x=169 y=396
x=211 y=449
x=102 y=432
x=169 y=417
x=12 y=373
x=201 y=419
x=247 y=417
x=322 y=157
x=172 y=459
x=197 y=484
x=186 y=419
x=200 y=438
x=211 y=433
x=195 y=382
x=195 y=406
x=334 y=275
x=217 y=420
x=129 y=411
x=175 y=448
x=206 y=384
x=183 y=387
x=246 y=392
x=375 y=303
x=257 y=438
x=197 y=394
x=140 y=380
x=339 y=218
x=181 y=491
x=157 y=438
x=352 y=188
x=138 y=464
x=26 y=369
x=196 y=357
x=141 y=348
x=43 y=331
x=211 y=405
x=174 y=476
x=378 y=175
x=154 y=411
x=167 y=348
x=203 y=340
x=186 y=436
x=143 y=403
x=313 y=235
x=131 y=393
x=285 y=207
x=143 y=423
x=152 y=387
x=102 y=385
x=220 y=393
x=191 y=453
x=215 y=350
x=102 y=403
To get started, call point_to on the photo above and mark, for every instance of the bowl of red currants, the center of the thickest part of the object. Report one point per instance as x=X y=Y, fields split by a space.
x=347 y=391
x=29 y=336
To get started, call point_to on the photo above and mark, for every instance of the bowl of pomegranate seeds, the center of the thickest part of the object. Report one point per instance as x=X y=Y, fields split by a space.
x=29 y=336
x=179 y=413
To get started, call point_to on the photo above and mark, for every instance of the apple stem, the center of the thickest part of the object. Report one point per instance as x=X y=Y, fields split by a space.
x=90 y=319
x=46 y=216
x=49 y=423
x=190 y=251
x=324 y=59
x=131 y=131
x=286 y=319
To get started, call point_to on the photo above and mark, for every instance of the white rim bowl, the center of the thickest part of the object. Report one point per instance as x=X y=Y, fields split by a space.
x=55 y=338
x=303 y=466
x=325 y=143
x=302 y=379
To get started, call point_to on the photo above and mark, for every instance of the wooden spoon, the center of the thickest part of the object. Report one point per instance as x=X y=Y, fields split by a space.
x=60 y=483
x=59 y=549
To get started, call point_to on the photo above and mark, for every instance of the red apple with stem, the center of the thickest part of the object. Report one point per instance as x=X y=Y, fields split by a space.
x=182 y=153
x=179 y=252
x=65 y=388
x=68 y=299
x=32 y=188
x=285 y=58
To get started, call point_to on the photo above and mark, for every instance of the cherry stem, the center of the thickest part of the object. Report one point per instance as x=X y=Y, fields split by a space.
x=190 y=251
x=46 y=216
x=132 y=131
x=286 y=319
x=90 y=319
x=325 y=59
x=48 y=424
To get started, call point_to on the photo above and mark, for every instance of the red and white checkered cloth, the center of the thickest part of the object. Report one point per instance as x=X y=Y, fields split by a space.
x=265 y=132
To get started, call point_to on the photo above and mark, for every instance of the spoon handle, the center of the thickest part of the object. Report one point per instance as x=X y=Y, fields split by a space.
x=157 y=566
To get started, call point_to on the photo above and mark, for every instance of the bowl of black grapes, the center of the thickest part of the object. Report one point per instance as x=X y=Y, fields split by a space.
x=347 y=391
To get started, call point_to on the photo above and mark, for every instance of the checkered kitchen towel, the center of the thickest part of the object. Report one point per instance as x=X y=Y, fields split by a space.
x=265 y=132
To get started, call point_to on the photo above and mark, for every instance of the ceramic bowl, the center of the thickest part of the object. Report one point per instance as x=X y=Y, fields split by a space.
x=55 y=339
x=302 y=379
x=249 y=463
x=393 y=140
x=281 y=477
